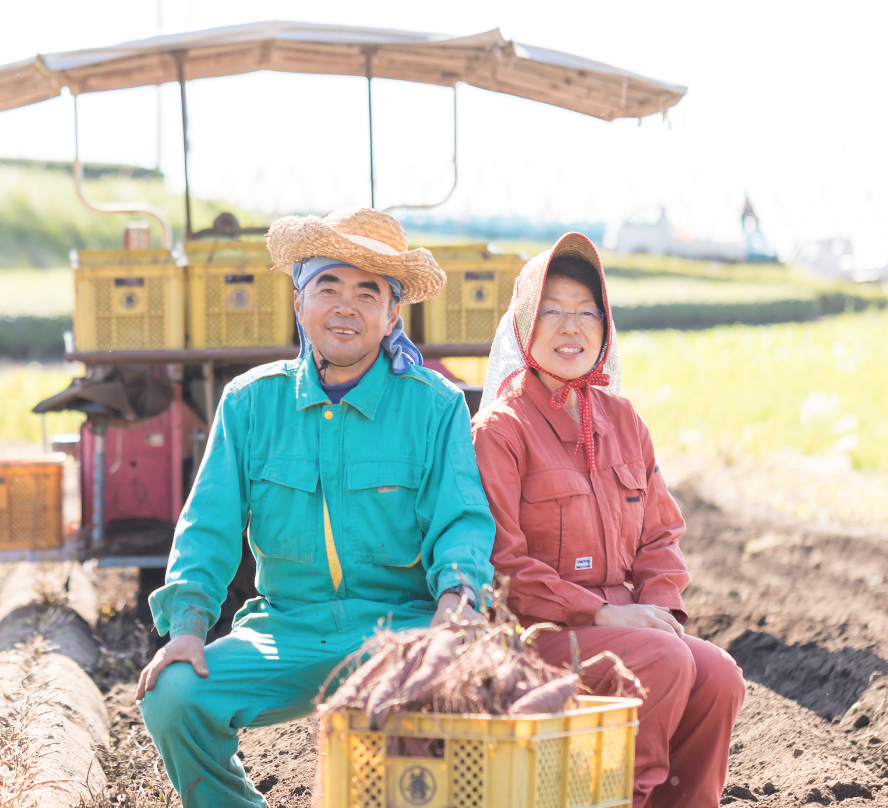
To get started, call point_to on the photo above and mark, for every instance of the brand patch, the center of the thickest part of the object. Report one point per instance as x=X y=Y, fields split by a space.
x=386 y=489
x=584 y=563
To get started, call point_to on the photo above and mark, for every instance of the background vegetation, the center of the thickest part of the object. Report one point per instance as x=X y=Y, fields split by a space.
x=806 y=388
x=795 y=388
x=41 y=219
x=22 y=386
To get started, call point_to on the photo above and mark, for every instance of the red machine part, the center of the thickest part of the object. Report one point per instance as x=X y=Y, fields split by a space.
x=138 y=467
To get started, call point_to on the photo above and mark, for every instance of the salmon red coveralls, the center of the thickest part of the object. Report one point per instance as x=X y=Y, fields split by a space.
x=358 y=512
x=571 y=540
x=583 y=519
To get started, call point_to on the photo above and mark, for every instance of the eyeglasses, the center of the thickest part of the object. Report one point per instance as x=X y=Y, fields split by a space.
x=586 y=318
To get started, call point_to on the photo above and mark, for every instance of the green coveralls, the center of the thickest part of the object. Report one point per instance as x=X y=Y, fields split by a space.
x=379 y=494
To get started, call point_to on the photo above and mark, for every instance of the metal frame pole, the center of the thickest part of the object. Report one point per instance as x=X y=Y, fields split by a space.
x=370 y=118
x=98 y=493
x=209 y=381
x=455 y=170
x=180 y=61
x=176 y=439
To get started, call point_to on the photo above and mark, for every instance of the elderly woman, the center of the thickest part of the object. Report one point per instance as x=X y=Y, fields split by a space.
x=586 y=529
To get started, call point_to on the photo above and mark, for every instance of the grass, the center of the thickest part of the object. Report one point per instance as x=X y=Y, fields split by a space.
x=22 y=386
x=623 y=291
x=755 y=391
x=41 y=219
x=36 y=292
x=806 y=388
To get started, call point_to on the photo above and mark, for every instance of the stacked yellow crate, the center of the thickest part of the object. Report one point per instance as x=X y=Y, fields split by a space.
x=477 y=295
x=236 y=298
x=128 y=300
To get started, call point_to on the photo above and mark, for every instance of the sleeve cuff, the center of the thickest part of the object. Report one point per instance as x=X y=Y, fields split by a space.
x=584 y=616
x=680 y=615
x=675 y=605
x=189 y=624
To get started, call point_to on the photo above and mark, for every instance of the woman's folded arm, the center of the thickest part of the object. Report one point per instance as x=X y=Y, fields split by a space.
x=536 y=590
x=659 y=572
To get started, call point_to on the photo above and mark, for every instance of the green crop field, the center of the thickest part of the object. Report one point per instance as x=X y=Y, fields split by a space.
x=36 y=292
x=24 y=385
x=815 y=388
x=807 y=388
x=41 y=219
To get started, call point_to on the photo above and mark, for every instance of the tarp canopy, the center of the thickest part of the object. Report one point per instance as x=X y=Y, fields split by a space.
x=485 y=60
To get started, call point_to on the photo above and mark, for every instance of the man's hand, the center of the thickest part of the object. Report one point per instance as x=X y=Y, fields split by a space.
x=448 y=603
x=639 y=615
x=184 y=648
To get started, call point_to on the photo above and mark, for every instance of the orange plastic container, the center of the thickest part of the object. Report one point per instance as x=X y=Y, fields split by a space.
x=31 y=504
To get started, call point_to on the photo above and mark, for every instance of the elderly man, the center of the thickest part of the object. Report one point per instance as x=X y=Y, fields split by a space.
x=354 y=468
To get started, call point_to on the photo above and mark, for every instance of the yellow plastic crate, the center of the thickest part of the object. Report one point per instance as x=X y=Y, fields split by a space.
x=580 y=758
x=31 y=504
x=235 y=298
x=477 y=295
x=128 y=300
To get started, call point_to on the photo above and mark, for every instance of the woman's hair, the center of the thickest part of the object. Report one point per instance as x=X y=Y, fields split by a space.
x=579 y=270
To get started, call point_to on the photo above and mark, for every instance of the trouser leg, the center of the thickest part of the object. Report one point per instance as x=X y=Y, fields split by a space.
x=262 y=667
x=666 y=668
x=699 y=747
x=267 y=671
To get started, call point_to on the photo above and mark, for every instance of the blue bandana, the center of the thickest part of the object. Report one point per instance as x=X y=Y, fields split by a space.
x=397 y=346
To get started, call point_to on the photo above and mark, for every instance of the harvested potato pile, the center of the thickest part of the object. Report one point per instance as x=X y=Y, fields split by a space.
x=466 y=669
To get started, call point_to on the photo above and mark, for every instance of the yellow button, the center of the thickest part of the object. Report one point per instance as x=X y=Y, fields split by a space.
x=328 y=415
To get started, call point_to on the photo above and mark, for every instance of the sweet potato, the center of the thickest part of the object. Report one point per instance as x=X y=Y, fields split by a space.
x=379 y=703
x=506 y=677
x=438 y=655
x=548 y=698
x=351 y=692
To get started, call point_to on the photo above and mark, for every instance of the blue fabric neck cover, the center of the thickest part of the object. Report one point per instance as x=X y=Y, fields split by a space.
x=397 y=346
x=335 y=392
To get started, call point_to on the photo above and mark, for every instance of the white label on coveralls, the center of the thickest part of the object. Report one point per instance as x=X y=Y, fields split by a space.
x=584 y=563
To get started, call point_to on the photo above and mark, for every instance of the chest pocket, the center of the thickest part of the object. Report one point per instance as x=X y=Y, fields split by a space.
x=381 y=519
x=632 y=488
x=286 y=508
x=553 y=517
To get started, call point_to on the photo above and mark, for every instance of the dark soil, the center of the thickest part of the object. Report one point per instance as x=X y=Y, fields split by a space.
x=802 y=607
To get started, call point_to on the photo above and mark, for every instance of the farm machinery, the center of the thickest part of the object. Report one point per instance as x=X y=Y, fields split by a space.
x=160 y=330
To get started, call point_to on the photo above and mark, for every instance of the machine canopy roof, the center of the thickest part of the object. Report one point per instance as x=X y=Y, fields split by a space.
x=485 y=60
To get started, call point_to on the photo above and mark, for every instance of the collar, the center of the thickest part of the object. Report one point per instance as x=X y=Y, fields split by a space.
x=365 y=398
x=562 y=421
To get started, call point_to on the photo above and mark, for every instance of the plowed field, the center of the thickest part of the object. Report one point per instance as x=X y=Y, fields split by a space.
x=802 y=606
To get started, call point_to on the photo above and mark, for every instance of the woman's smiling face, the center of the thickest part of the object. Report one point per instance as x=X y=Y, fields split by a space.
x=569 y=330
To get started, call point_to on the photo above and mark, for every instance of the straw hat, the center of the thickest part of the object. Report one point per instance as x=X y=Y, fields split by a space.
x=363 y=237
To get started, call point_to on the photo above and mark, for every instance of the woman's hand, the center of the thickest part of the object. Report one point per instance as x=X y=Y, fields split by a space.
x=184 y=648
x=639 y=615
x=448 y=604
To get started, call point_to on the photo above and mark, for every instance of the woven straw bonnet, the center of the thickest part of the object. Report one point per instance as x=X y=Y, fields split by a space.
x=531 y=279
x=363 y=237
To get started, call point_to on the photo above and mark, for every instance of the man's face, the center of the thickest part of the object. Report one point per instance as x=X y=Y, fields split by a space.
x=346 y=313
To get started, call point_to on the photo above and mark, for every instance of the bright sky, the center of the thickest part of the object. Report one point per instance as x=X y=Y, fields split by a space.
x=786 y=102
